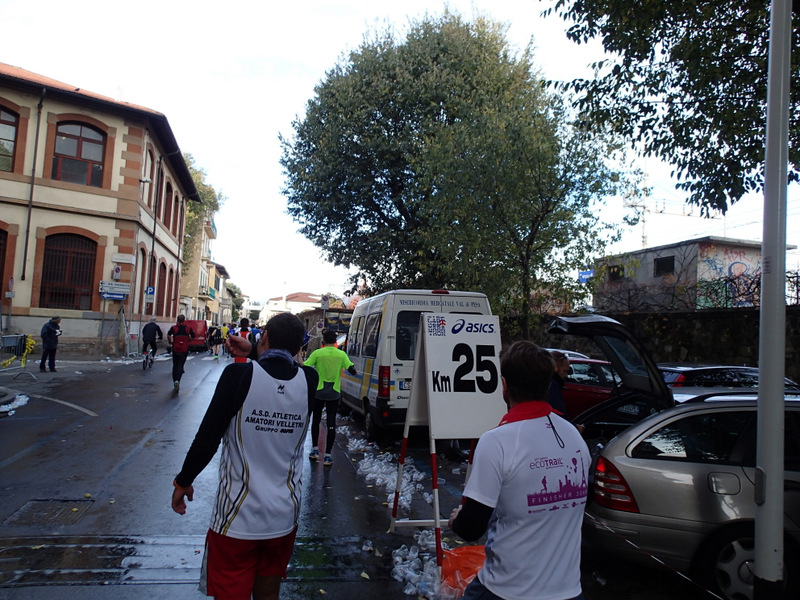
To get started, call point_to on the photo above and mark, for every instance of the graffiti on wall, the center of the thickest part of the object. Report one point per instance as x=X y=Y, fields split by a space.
x=728 y=276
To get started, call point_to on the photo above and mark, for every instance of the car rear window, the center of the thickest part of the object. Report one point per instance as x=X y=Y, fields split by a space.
x=706 y=437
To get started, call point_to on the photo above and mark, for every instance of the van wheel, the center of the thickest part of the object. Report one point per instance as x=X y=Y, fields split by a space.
x=374 y=433
x=344 y=410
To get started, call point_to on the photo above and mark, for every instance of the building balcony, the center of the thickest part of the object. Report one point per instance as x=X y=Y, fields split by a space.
x=210 y=228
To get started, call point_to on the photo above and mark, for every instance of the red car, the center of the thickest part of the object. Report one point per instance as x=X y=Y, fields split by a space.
x=589 y=382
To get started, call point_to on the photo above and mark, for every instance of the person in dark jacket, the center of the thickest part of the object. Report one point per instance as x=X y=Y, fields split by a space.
x=50 y=332
x=555 y=394
x=179 y=336
x=150 y=333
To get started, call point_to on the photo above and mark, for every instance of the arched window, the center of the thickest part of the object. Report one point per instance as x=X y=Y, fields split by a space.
x=142 y=273
x=78 y=156
x=161 y=289
x=68 y=272
x=8 y=138
x=170 y=299
x=168 y=206
x=182 y=216
x=3 y=246
x=149 y=173
x=159 y=205
x=151 y=282
x=176 y=204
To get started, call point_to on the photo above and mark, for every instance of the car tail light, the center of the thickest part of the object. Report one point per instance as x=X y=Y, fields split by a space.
x=383 y=381
x=679 y=380
x=610 y=488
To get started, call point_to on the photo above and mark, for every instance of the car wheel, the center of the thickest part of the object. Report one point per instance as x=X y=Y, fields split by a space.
x=725 y=563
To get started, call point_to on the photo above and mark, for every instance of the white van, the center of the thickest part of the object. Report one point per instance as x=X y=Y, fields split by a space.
x=382 y=343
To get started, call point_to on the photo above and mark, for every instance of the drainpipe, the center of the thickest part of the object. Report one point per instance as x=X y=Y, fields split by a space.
x=33 y=183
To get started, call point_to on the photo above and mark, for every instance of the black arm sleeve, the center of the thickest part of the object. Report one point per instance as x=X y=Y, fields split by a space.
x=473 y=520
x=228 y=398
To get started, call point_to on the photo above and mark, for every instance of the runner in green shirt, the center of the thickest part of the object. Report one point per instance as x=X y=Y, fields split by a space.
x=329 y=362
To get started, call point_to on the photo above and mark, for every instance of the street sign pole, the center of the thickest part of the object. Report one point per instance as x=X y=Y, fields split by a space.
x=769 y=547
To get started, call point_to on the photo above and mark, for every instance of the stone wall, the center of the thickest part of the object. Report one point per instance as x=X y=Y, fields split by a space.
x=722 y=336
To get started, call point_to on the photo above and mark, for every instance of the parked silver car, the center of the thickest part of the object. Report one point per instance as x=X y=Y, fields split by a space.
x=675 y=479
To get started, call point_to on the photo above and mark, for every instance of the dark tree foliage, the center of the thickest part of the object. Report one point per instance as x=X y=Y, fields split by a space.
x=687 y=82
x=443 y=161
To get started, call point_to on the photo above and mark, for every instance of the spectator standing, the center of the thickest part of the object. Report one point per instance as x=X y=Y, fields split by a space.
x=50 y=332
x=528 y=486
x=179 y=336
x=150 y=333
x=555 y=395
x=254 y=522
x=329 y=362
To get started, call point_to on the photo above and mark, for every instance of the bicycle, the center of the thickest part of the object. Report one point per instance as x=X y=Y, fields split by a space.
x=148 y=358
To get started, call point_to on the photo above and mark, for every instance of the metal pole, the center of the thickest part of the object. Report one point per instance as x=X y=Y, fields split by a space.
x=768 y=568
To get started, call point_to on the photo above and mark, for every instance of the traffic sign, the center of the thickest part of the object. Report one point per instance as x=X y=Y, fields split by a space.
x=150 y=290
x=112 y=296
x=115 y=287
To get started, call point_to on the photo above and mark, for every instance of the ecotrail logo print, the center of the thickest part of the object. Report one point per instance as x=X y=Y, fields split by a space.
x=468 y=327
x=560 y=482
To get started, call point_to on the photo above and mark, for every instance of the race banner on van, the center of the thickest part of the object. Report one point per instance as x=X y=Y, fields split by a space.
x=456 y=389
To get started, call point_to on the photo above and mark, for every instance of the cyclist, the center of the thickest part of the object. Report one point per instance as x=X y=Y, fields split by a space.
x=150 y=332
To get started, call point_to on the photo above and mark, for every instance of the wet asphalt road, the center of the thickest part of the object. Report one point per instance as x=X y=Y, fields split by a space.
x=86 y=468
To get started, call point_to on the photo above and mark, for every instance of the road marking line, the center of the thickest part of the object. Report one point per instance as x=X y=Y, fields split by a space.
x=56 y=400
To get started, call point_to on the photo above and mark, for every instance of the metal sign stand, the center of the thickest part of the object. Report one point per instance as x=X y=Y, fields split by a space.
x=453 y=402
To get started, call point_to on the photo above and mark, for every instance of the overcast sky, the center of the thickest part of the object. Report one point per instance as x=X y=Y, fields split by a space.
x=230 y=76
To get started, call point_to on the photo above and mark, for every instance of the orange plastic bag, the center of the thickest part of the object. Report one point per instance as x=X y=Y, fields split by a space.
x=459 y=568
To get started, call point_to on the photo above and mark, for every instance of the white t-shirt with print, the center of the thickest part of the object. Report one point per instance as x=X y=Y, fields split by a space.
x=538 y=490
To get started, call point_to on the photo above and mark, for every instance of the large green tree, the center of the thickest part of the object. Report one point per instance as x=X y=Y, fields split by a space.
x=686 y=81
x=442 y=161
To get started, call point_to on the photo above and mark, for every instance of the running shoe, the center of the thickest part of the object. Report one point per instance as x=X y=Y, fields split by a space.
x=177 y=385
x=314 y=455
x=328 y=460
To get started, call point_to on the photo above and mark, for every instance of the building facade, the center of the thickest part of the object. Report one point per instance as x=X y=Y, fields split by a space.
x=93 y=200
x=204 y=295
x=709 y=272
x=293 y=303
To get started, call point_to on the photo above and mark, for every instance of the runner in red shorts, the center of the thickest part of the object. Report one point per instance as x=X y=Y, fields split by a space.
x=260 y=411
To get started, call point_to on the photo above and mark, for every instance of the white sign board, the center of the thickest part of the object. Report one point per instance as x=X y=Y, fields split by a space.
x=456 y=388
x=128 y=259
x=115 y=287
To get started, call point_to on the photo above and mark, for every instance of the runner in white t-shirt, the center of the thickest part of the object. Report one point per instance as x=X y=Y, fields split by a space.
x=528 y=486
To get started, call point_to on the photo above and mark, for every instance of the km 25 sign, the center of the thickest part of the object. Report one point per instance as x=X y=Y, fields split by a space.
x=457 y=375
